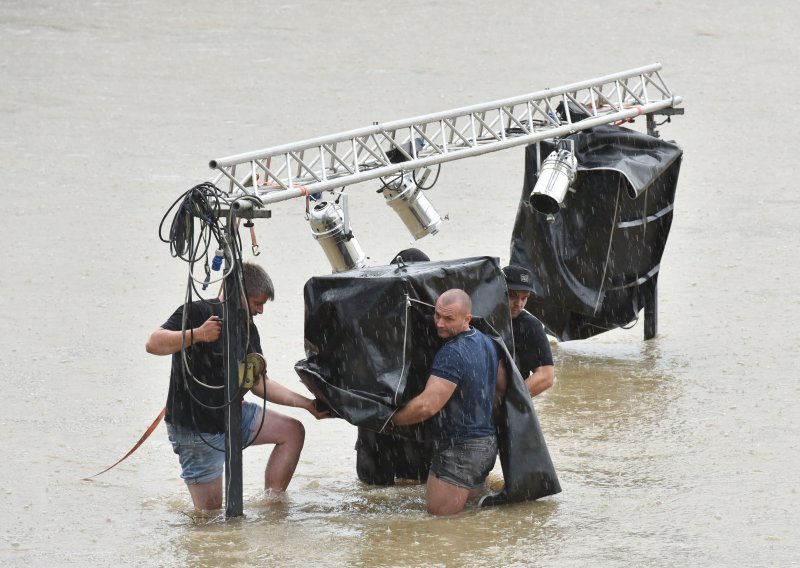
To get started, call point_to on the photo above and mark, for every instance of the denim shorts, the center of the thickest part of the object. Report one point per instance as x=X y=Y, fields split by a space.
x=466 y=463
x=200 y=463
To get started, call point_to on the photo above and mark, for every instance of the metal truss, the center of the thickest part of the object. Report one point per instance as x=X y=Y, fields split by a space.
x=338 y=160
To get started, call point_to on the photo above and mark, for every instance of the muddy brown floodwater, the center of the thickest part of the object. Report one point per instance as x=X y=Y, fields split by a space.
x=680 y=451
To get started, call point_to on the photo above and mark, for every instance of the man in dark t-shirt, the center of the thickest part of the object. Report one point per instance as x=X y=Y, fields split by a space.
x=531 y=348
x=458 y=398
x=195 y=414
x=206 y=412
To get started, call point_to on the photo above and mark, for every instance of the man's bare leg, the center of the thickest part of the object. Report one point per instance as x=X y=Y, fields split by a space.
x=288 y=435
x=206 y=496
x=444 y=498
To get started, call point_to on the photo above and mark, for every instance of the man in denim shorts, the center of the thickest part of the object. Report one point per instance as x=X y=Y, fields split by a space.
x=459 y=397
x=195 y=404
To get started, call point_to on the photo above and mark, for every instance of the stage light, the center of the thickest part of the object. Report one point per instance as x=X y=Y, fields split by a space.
x=403 y=194
x=556 y=175
x=330 y=226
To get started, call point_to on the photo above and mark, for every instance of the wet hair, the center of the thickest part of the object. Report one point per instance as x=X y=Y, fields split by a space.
x=257 y=281
x=410 y=255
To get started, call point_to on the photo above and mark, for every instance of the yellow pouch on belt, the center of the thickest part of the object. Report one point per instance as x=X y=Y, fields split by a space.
x=251 y=369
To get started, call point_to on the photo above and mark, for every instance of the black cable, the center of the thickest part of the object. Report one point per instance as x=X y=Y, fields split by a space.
x=187 y=362
x=385 y=184
x=200 y=208
x=629 y=325
x=202 y=203
x=435 y=179
x=237 y=245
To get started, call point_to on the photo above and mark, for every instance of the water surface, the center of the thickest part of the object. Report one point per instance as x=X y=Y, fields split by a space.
x=678 y=451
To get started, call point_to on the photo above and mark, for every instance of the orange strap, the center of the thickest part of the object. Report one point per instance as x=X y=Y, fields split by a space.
x=136 y=446
x=253 y=241
x=640 y=111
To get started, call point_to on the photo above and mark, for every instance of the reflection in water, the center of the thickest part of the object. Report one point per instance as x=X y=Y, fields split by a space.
x=614 y=405
x=485 y=537
x=617 y=439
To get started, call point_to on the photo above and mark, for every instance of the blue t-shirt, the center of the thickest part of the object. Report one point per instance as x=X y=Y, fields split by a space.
x=470 y=361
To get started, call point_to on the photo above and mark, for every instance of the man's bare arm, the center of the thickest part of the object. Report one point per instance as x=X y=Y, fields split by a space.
x=427 y=403
x=279 y=394
x=502 y=384
x=166 y=342
x=540 y=379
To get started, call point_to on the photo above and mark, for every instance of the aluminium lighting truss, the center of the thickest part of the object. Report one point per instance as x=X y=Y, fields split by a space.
x=338 y=160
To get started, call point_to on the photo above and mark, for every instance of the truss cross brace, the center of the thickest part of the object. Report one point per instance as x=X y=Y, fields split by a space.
x=293 y=170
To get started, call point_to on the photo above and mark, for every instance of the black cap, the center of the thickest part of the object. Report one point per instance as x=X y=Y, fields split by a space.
x=410 y=255
x=518 y=278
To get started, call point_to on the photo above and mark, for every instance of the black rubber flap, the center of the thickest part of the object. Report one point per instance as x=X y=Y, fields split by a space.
x=528 y=470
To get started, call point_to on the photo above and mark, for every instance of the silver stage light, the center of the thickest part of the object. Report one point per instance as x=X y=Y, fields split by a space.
x=406 y=198
x=330 y=226
x=556 y=175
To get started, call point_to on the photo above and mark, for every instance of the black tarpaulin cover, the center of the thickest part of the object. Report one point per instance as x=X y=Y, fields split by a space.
x=370 y=343
x=370 y=337
x=596 y=262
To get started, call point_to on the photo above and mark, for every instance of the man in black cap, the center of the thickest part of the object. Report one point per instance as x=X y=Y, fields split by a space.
x=531 y=348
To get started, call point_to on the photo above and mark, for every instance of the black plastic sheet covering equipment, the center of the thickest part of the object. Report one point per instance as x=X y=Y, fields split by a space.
x=596 y=262
x=370 y=342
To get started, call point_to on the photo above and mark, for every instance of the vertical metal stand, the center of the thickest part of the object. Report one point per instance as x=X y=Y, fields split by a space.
x=651 y=311
x=651 y=126
x=234 y=352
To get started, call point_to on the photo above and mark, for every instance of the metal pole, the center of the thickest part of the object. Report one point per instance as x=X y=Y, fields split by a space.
x=651 y=311
x=234 y=352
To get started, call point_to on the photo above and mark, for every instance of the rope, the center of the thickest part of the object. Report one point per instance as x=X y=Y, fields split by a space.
x=420 y=302
x=405 y=337
x=608 y=253
x=409 y=299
